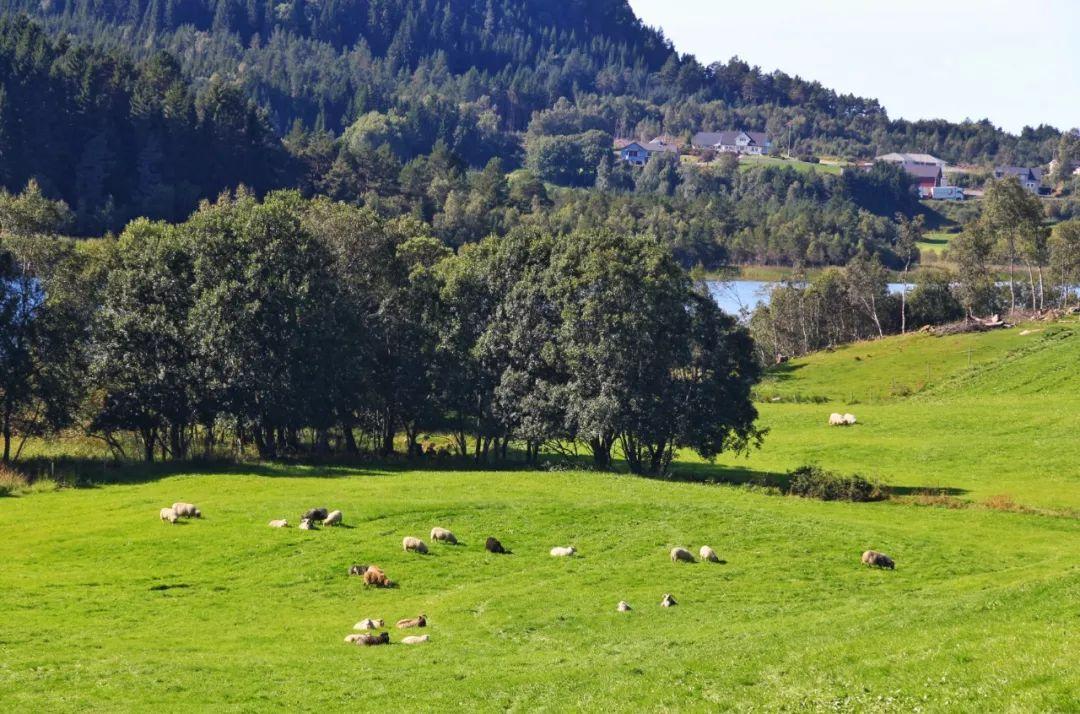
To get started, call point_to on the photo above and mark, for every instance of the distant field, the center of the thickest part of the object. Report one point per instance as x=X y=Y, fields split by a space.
x=935 y=242
x=748 y=162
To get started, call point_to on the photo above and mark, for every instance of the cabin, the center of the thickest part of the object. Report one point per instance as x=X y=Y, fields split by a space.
x=639 y=154
x=750 y=143
x=1029 y=178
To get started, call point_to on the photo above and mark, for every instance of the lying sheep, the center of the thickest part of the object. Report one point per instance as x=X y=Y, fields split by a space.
x=708 y=554
x=279 y=523
x=874 y=559
x=375 y=577
x=366 y=640
x=333 y=519
x=414 y=545
x=351 y=639
x=186 y=510
x=623 y=606
x=315 y=514
x=418 y=621
x=668 y=601
x=849 y=420
x=560 y=552
x=369 y=624
x=836 y=420
x=441 y=534
x=357 y=569
x=681 y=555
x=168 y=514
x=492 y=545
x=414 y=639
x=306 y=525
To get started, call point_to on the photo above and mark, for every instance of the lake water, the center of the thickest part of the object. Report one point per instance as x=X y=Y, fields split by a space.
x=736 y=295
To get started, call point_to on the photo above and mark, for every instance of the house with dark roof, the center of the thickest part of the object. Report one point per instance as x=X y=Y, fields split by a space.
x=639 y=154
x=1029 y=178
x=754 y=143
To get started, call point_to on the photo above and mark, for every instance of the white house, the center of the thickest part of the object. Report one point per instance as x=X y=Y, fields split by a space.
x=639 y=154
x=754 y=143
x=1029 y=178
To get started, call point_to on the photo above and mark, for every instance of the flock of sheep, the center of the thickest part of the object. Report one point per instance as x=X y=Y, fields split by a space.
x=374 y=576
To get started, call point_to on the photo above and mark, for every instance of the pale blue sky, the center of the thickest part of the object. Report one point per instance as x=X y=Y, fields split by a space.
x=1014 y=63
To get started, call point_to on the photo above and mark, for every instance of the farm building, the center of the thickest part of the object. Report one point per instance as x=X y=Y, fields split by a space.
x=928 y=171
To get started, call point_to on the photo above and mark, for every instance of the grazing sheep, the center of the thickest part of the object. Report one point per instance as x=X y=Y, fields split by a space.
x=369 y=624
x=186 y=510
x=366 y=640
x=836 y=420
x=849 y=420
x=708 y=554
x=351 y=639
x=418 y=621
x=681 y=555
x=492 y=545
x=279 y=523
x=441 y=534
x=168 y=514
x=560 y=552
x=414 y=545
x=306 y=525
x=333 y=519
x=874 y=559
x=414 y=639
x=316 y=514
x=357 y=569
x=668 y=601
x=376 y=577
x=623 y=606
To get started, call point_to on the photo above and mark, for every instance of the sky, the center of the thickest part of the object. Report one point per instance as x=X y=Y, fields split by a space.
x=1014 y=63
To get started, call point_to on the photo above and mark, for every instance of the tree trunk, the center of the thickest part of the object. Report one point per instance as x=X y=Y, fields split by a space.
x=903 y=299
x=601 y=451
x=350 y=438
x=7 y=435
x=1031 y=282
x=1012 y=286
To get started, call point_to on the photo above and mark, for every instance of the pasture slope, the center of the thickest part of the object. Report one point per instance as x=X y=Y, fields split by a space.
x=107 y=609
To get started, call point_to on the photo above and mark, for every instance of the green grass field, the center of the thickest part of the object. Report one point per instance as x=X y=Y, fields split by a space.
x=935 y=242
x=748 y=162
x=105 y=608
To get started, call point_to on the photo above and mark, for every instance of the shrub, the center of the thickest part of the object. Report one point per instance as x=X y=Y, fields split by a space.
x=10 y=480
x=815 y=482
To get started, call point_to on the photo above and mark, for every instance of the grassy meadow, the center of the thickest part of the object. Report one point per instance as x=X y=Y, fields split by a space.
x=105 y=608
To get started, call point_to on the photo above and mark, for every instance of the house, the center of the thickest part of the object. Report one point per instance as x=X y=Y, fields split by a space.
x=928 y=171
x=1029 y=178
x=639 y=154
x=755 y=143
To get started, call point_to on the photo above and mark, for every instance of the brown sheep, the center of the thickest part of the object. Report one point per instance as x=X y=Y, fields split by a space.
x=492 y=545
x=681 y=555
x=315 y=514
x=358 y=569
x=374 y=576
x=366 y=640
x=874 y=559
x=418 y=621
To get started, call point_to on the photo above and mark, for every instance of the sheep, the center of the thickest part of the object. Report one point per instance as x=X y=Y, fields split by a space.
x=681 y=554
x=357 y=569
x=874 y=559
x=849 y=420
x=415 y=545
x=566 y=552
x=186 y=510
x=376 y=577
x=441 y=534
x=836 y=420
x=351 y=639
x=279 y=523
x=366 y=640
x=418 y=621
x=168 y=514
x=306 y=525
x=708 y=554
x=369 y=624
x=668 y=601
x=316 y=514
x=492 y=545
x=333 y=519
x=415 y=639
x=623 y=606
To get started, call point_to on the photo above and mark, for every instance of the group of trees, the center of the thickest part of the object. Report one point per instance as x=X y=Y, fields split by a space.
x=291 y=325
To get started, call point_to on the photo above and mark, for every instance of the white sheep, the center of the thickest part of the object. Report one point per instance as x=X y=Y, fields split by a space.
x=306 y=525
x=836 y=420
x=352 y=639
x=369 y=624
x=333 y=518
x=623 y=606
x=415 y=545
x=849 y=420
x=441 y=534
x=186 y=510
x=708 y=554
x=279 y=523
x=168 y=514
x=414 y=639
x=681 y=554
x=560 y=552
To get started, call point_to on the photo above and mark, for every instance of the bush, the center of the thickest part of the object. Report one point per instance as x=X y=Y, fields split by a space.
x=10 y=481
x=815 y=482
